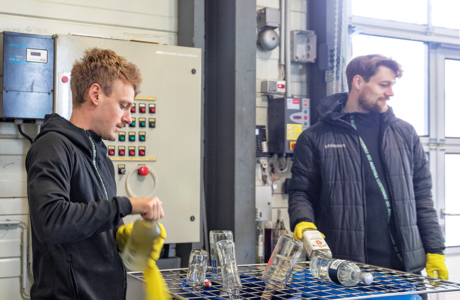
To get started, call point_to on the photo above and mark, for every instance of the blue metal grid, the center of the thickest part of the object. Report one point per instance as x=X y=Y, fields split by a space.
x=302 y=285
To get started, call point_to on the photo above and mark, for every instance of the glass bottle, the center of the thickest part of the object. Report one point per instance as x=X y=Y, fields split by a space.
x=140 y=244
x=314 y=244
x=279 y=229
x=339 y=271
x=268 y=241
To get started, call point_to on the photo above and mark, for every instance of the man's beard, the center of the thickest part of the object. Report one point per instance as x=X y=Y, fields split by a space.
x=371 y=107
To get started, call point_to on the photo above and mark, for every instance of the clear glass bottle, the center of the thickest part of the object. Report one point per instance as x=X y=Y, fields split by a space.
x=259 y=242
x=279 y=228
x=314 y=244
x=339 y=271
x=140 y=244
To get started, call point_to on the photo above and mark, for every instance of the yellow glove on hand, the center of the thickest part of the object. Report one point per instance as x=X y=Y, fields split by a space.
x=123 y=234
x=155 y=285
x=301 y=227
x=435 y=263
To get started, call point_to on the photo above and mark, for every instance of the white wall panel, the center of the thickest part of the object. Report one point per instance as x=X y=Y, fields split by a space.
x=10 y=267
x=10 y=289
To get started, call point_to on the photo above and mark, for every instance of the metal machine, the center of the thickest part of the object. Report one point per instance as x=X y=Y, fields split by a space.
x=159 y=153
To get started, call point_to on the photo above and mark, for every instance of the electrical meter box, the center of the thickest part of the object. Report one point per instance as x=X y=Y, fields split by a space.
x=27 y=68
x=287 y=119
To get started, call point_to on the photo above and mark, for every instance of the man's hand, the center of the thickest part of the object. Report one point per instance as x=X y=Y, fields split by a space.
x=150 y=209
x=301 y=227
x=435 y=263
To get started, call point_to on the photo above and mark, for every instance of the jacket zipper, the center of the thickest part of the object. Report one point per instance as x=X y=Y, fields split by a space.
x=94 y=155
x=391 y=196
x=95 y=165
x=363 y=192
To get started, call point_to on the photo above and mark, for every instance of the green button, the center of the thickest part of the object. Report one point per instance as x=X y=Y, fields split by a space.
x=152 y=124
x=122 y=137
x=142 y=138
x=142 y=124
x=133 y=124
x=131 y=138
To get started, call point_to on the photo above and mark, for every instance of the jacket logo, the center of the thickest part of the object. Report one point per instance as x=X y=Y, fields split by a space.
x=334 y=146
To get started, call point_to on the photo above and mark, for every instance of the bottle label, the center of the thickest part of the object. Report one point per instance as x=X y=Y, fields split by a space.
x=214 y=266
x=261 y=245
x=333 y=270
x=313 y=240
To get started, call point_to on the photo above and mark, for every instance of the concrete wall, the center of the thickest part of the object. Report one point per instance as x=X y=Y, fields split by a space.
x=268 y=69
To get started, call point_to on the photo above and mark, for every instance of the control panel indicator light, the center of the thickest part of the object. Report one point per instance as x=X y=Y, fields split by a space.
x=142 y=136
x=111 y=151
x=132 y=151
x=142 y=108
x=132 y=136
x=152 y=123
x=121 y=169
x=121 y=151
x=133 y=108
x=122 y=136
x=141 y=151
x=152 y=108
x=133 y=122
x=141 y=122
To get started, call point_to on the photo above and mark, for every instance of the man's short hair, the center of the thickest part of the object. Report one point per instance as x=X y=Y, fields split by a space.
x=366 y=66
x=104 y=67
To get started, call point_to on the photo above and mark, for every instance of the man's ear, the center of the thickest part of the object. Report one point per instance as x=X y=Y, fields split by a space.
x=94 y=93
x=357 y=82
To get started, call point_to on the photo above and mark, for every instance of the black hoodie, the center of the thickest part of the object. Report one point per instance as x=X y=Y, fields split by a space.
x=327 y=186
x=74 y=214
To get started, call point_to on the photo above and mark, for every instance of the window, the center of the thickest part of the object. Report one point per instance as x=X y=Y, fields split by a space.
x=394 y=10
x=445 y=13
x=452 y=98
x=452 y=204
x=410 y=91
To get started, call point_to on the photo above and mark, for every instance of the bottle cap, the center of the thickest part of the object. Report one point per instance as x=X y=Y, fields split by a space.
x=366 y=278
x=208 y=283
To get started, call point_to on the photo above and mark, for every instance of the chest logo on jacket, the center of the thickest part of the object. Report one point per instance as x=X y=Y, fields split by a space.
x=334 y=146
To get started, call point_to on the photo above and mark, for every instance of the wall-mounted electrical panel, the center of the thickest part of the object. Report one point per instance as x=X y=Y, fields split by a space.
x=27 y=68
x=273 y=86
x=303 y=46
x=159 y=152
x=261 y=141
x=287 y=119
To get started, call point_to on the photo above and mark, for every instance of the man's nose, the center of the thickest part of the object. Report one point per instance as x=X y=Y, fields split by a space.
x=126 y=117
x=389 y=92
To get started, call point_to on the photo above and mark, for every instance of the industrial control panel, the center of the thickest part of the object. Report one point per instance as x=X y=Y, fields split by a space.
x=26 y=75
x=287 y=119
x=159 y=152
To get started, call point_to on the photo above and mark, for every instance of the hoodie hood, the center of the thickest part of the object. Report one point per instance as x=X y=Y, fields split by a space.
x=78 y=136
x=331 y=108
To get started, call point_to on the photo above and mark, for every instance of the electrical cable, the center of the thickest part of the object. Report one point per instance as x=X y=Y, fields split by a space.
x=23 y=134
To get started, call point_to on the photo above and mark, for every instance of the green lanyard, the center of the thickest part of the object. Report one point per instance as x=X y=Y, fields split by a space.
x=379 y=183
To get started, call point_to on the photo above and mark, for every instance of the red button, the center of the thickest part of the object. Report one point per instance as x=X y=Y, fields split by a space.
x=142 y=152
x=122 y=152
x=65 y=79
x=131 y=152
x=305 y=117
x=143 y=171
x=133 y=109
x=111 y=152
x=152 y=110
x=143 y=109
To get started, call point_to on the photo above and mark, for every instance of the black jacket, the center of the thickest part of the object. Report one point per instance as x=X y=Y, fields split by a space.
x=74 y=214
x=327 y=186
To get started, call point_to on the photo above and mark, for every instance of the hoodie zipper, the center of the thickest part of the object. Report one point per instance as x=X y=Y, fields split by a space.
x=95 y=165
x=94 y=155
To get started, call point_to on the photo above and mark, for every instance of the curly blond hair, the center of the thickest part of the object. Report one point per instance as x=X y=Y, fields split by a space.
x=104 y=67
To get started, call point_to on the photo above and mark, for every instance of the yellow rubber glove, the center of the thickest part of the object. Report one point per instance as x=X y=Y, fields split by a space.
x=123 y=233
x=155 y=285
x=301 y=227
x=435 y=263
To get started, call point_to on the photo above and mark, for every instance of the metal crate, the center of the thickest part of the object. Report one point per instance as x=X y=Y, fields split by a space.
x=302 y=285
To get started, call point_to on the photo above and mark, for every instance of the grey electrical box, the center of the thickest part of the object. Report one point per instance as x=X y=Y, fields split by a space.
x=303 y=46
x=27 y=75
x=268 y=17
